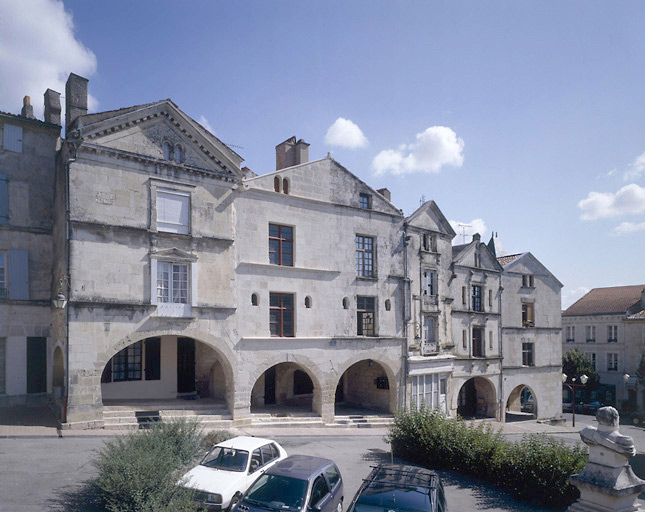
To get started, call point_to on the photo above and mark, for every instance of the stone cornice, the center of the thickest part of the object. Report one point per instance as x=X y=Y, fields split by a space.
x=156 y=162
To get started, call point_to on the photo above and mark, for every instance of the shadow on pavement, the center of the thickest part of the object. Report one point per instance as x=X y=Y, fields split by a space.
x=28 y=416
x=86 y=498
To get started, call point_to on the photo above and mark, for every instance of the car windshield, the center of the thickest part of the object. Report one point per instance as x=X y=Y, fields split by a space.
x=228 y=459
x=278 y=493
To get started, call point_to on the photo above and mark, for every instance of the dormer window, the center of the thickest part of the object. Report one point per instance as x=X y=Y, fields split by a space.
x=167 y=150
x=365 y=201
x=179 y=154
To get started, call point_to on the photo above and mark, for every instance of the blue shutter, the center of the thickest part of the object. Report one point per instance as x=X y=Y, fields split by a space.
x=4 y=199
x=18 y=274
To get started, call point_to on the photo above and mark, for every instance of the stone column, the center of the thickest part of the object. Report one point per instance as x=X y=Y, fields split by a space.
x=607 y=483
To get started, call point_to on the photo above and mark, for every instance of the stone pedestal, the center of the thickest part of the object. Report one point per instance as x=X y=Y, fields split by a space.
x=607 y=483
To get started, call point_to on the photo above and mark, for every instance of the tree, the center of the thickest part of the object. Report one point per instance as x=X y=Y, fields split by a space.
x=575 y=364
x=640 y=371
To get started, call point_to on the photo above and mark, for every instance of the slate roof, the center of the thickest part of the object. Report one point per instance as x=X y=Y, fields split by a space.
x=456 y=249
x=604 y=301
x=505 y=260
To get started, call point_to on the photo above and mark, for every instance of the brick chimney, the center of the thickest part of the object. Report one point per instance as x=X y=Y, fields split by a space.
x=385 y=193
x=290 y=153
x=27 y=109
x=75 y=100
x=52 y=107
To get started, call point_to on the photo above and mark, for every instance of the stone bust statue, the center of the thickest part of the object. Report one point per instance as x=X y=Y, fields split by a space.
x=607 y=435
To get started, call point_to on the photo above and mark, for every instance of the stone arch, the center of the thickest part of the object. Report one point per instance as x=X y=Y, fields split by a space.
x=521 y=402
x=476 y=397
x=391 y=375
x=226 y=356
x=296 y=360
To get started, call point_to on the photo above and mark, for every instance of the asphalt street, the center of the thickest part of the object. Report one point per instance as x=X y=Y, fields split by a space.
x=53 y=473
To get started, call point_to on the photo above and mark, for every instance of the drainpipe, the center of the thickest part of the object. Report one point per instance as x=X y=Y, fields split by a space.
x=67 y=262
x=502 y=414
x=406 y=283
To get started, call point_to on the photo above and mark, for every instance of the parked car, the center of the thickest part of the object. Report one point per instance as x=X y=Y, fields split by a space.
x=399 y=487
x=297 y=483
x=230 y=468
x=591 y=407
x=567 y=407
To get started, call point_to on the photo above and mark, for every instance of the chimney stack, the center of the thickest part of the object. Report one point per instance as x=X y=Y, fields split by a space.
x=290 y=153
x=27 y=109
x=75 y=100
x=52 y=107
x=477 y=237
x=385 y=193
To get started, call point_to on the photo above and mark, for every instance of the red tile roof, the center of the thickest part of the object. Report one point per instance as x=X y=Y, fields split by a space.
x=505 y=260
x=599 y=301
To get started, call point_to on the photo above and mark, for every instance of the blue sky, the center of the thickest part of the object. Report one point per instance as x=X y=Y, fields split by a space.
x=524 y=118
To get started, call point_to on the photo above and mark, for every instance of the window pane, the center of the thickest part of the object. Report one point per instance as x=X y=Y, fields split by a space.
x=287 y=300
x=274 y=299
x=274 y=230
x=274 y=252
x=287 y=233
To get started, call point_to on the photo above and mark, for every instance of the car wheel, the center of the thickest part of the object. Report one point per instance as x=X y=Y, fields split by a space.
x=234 y=501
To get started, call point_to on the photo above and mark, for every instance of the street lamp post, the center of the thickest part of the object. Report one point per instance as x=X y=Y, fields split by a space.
x=573 y=386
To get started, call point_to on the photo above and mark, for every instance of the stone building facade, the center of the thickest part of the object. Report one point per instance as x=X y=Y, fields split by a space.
x=608 y=326
x=179 y=273
x=27 y=168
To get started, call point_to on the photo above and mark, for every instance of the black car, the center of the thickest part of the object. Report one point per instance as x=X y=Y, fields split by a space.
x=399 y=487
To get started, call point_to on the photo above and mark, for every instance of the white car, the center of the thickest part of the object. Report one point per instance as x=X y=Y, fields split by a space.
x=231 y=467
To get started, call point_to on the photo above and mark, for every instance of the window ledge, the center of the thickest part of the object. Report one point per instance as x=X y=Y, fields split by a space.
x=366 y=278
x=171 y=310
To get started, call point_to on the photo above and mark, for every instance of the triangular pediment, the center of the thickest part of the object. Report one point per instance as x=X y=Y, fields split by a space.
x=466 y=257
x=429 y=217
x=325 y=180
x=529 y=264
x=173 y=254
x=144 y=129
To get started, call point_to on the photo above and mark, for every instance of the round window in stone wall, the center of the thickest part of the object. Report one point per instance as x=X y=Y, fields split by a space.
x=254 y=299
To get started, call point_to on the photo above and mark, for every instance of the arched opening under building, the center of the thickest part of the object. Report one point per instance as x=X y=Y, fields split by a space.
x=166 y=372
x=476 y=399
x=521 y=404
x=285 y=388
x=364 y=387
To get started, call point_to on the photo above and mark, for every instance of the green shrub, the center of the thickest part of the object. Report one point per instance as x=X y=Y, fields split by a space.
x=215 y=437
x=537 y=468
x=139 y=472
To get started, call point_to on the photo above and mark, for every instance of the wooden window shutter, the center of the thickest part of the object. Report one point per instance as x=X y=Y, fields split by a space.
x=12 y=138
x=18 y=274
x=4 y=199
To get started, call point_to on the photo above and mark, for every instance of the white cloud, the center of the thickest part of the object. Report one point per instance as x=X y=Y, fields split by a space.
x=636 y=168
x=204 y=122
x=38 y=50
x=628 y=200
x=625 y=228
x=469 y=229
x=346 y=134
x=569 y=295
x=435 y=147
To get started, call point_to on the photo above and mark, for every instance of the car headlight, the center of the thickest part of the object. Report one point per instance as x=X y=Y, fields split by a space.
x=214 y=498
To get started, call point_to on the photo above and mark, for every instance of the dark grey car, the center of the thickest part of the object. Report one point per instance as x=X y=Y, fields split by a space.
x=297 y=483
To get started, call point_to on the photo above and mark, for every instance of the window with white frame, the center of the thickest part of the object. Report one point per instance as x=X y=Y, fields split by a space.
x=591 y=357
x=429 y=329
x=172 y=282
x=590 y=331
x=612 y=334
x=612 y=362
x=173 y=211
x=3 y=275
x=429 y=391
x=365 y=256
x=571 y=334
x=429 y=282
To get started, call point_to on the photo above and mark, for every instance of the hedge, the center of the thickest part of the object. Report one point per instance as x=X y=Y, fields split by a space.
x=140 y=472
x=534 y=469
